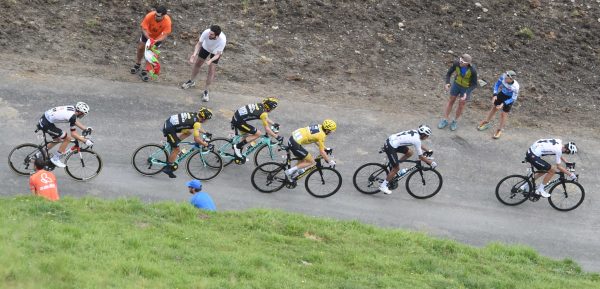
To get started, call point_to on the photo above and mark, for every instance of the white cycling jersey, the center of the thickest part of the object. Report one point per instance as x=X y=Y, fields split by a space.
x=62 y=114
x=407 y=138
x=546 y=147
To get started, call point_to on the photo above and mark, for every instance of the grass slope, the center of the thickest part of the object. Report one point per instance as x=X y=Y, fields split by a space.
x=92 y=243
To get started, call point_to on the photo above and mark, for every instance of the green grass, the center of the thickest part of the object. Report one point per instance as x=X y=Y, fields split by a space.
x=92 y=243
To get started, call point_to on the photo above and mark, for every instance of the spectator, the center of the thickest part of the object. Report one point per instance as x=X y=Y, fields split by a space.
x=42 y=182
x=210 y=45
x=156 y=25
x=506 y=92
x=199 y=199
x=462 y=87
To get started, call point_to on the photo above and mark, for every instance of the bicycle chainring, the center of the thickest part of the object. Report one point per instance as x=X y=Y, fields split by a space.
x=393 y=185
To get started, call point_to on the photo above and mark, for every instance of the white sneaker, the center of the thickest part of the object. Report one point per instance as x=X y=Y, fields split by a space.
x=188 y=84
x=540 y=191
x=384 y=189
x=289 y=174
x=56 y=161
x=205 y=96
x=524 y=187
x=237 y=151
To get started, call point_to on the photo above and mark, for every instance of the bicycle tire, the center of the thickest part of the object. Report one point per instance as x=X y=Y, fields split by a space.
x=427 y=177
x=513 y=195
x=559 y=197
x=262 y=155
x=210 y=163
x=20 y=158
x=141 y=159
x=86 y=161
x=224 y=149
x=324 y=174
x=271 y=174
x=372 y=178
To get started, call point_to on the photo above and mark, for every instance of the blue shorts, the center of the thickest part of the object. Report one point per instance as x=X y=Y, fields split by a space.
x=457 y=90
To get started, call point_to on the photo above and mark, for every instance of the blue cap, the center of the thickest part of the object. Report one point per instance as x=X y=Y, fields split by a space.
x=196 y=184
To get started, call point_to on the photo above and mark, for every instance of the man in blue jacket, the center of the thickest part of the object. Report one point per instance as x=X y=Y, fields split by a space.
x=200 y=199
x=506 y=92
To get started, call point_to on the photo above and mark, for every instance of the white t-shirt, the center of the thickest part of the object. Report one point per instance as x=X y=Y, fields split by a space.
x=61 y=114
x=213 y=46
x=546 y=147
x=407 y=138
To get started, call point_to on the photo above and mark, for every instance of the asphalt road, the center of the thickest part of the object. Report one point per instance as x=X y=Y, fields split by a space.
x=128 y=114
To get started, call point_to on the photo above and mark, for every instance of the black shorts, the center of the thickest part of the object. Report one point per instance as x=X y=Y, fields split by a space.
x=392 y=153
x=50 y=128
x=204 y=54
x=243 y=127
x=537 y=162
x=501 y=98
x=171 y=134
x=143 y=39
x=298 y=150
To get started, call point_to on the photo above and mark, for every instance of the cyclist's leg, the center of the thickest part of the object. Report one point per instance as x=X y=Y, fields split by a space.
x=173 y=141
x=250 y=134
x=305 y=159
x=392 y=154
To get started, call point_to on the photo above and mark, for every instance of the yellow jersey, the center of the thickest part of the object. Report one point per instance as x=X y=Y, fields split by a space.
x=310 y=134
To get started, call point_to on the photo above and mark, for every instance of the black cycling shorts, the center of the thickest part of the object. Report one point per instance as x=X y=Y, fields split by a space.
x=171 y=134
x=537 y=162
x=50 y=128
x=501 y=98
x=204 y=54
x=243 y=127
x=297 y=149
x=392 y=153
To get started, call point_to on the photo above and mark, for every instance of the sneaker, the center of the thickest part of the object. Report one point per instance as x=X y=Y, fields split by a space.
x=135 y=69
x=443 y=123
x=169 y=171
x=524 y=187
x=56 y=161
x=540 y=191
x=188 y=84
x=205 y=96
x=384 y=189
x=497 y=134
x=453 y=125
x=289 y=175
x=483 y=125
x=237 y=151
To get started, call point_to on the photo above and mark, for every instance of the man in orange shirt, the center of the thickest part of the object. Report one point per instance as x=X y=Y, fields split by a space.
x=156 y=25
x=42 y=182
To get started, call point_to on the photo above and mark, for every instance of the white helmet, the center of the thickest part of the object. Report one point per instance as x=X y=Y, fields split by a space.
x=571 y=147
x=424 y=129
x=82 y=107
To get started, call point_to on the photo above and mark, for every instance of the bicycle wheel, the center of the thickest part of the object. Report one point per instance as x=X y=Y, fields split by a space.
x=268 y=177
x=21 y=158
x=149 y=159
x=324 y=182
x=566 y=196
x=224 y=149
x=368 y=177
x=424 y=183
x=264 y=155
x=204 y=166
x=513 y=190
x=83 y=165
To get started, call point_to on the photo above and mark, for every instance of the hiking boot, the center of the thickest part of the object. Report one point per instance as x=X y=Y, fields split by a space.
x=188 y=84
x=135 y=69
x=453 y=125
x=56 y=161
x=443 y=123
x=497 y=134
x=205 y=96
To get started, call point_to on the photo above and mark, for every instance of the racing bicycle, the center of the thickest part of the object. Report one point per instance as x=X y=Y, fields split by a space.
x=321 y=182
x=421 y=182
x=82 y=163
x=264 y=149
x=565 y=195
x=202 y=163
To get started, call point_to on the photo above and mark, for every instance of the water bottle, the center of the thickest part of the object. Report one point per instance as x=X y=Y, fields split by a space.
x=402 y=172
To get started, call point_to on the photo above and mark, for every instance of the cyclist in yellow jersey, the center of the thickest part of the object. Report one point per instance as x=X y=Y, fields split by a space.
x=316 y=134
x=177 y=127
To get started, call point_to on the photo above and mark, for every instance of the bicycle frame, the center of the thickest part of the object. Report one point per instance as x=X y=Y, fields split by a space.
x=43 y=147
x=561 y=176
x=182 y=156
x=263 y=140
x=317 y=166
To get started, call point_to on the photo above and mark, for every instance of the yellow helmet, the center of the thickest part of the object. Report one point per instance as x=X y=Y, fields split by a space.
x=205 y=113
x=270 y=103
x=329 y=124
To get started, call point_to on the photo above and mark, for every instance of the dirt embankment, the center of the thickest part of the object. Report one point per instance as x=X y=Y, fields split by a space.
x=388 y=51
